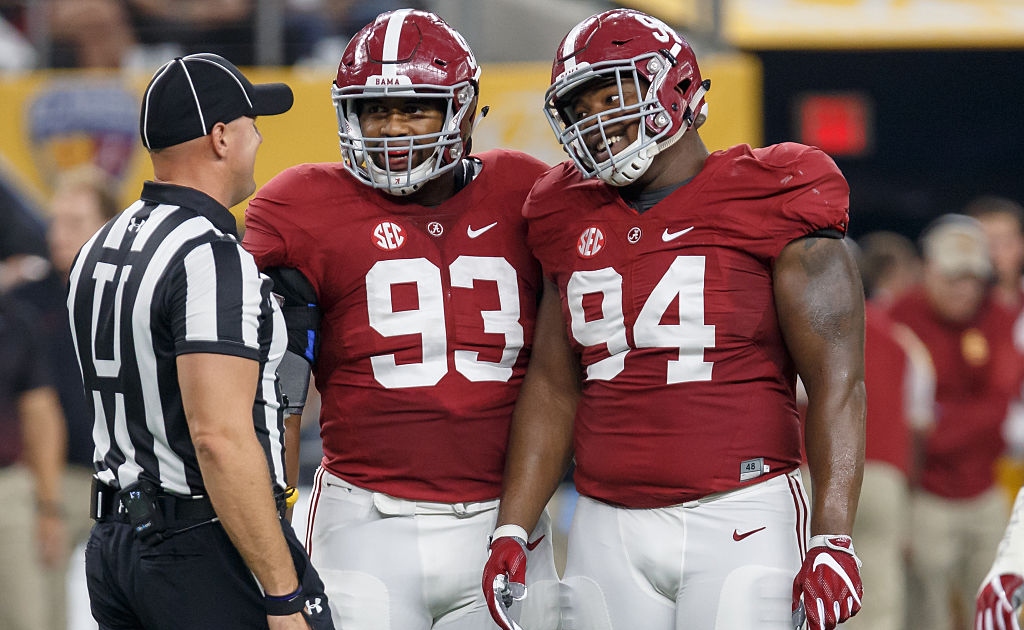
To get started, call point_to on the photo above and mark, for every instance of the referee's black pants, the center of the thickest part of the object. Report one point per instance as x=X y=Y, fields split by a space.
x=195 y=579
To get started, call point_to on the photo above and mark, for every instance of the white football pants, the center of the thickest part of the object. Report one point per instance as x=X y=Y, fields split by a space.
x=723 y=563
x=393 y=564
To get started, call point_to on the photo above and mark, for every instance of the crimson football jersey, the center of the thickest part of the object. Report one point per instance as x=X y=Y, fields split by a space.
x=688 y=387
x=427 y=317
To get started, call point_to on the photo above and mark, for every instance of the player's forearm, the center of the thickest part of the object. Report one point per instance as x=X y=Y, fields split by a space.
x=820 y=304
x=292 y=450
x=540 y=441
x=835 y=458
x=236 y=477
x=540 y=449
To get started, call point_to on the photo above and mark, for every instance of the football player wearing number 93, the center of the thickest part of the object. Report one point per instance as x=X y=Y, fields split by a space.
x=687 y=290
x=408 y=286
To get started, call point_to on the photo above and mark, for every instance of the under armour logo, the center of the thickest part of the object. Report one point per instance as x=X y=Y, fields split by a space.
x=135 y=224
x=313 y=606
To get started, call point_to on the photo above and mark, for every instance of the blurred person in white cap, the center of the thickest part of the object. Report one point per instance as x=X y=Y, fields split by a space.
x=178 y=338
x=1002 y=219
x=957 y=509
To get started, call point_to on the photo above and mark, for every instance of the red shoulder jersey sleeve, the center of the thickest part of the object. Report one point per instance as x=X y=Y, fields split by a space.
x=689 y=388
x=427 y=319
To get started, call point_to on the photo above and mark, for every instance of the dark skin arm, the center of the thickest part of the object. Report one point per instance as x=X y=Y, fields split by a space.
x=820 y=304
x=540 y=440
x=292 y=441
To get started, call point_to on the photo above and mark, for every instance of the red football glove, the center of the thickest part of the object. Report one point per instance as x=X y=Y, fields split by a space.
x=828 y=586
x=504 y=577
x=997 y=604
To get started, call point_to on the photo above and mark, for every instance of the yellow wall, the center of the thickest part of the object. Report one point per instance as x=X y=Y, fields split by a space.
x=859 y=24
x=308 y=132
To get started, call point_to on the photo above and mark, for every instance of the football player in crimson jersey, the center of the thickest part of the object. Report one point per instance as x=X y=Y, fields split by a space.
x=684 y=292
x=409 y=287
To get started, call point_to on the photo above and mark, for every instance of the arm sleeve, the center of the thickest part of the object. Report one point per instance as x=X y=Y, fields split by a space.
x=301 y=311
x=299 y=305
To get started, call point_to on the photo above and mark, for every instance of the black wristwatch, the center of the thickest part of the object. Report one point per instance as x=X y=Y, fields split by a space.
x=284 y=605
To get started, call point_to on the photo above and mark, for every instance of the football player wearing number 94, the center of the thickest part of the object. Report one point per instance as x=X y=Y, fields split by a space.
x=408 y=286
x=684 y=293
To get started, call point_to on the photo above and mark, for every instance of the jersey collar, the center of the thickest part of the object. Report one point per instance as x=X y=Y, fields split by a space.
x=194 y=200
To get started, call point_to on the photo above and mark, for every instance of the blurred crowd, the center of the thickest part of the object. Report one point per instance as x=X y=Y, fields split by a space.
x=133 y=33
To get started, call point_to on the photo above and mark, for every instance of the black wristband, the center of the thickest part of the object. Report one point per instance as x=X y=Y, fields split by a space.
x=284 y=605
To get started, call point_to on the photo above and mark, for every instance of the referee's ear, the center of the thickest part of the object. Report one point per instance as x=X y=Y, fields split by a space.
x=218 y=139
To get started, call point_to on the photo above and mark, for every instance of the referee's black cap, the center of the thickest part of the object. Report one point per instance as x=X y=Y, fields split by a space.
x=187 y=96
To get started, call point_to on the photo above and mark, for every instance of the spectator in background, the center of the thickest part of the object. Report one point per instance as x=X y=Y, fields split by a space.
x=223 y=27
x=1003 y=222
x=89 y=33
x=16 y=52
x=348 y=16
x=957 y=511
x=900 y=384
x=23 y=233
x=31 y=454
x=84 y=199
x=229 y=27
x=889 y=265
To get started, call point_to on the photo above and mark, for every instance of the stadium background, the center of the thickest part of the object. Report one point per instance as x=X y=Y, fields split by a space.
x=917 y=100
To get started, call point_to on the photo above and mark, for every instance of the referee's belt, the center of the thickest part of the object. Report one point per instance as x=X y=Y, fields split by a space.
x=107 y=506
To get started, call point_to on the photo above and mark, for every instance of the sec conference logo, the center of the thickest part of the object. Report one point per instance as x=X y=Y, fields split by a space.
x=590 y=242
x=388 y=236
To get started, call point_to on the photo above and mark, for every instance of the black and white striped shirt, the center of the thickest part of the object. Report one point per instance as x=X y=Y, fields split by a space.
x=167 y=277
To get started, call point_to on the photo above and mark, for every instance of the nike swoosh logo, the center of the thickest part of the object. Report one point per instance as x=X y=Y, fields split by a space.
x=671 y=236
x=830 y=562
x=530 y=546
x=475 y=233
x=737 y=536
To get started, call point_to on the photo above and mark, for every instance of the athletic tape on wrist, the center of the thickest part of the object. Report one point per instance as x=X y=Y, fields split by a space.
x=513 y=531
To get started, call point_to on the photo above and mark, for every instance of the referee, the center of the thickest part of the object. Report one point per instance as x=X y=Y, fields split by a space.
x=178 y=339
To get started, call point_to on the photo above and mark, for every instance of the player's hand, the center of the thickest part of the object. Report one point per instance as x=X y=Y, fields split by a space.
x=828 y=584
x=505 y=573
x=998 y=600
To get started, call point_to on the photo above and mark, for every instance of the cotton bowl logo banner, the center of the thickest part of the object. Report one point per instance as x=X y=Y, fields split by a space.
x=87 y=122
